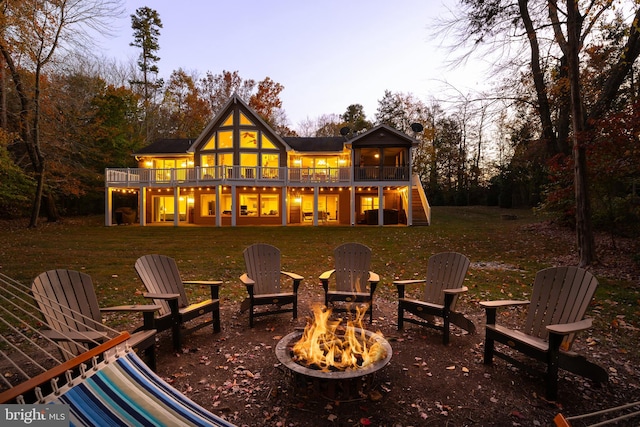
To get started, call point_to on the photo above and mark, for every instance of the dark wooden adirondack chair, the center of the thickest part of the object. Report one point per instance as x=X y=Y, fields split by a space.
x=161 y=278
x=70 y=309
x=558 y=303
x=263 y=283
x=352 y=274
x=445 y=277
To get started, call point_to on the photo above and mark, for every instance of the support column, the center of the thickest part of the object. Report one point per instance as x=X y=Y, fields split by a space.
x=410 y=207
x=352 y=202
x=234 y=210
x=108 y=207
x=380 y=205
x=316 y=190
x=142 y=206
x=283 y=206
x=218 y=211
x=176 y=206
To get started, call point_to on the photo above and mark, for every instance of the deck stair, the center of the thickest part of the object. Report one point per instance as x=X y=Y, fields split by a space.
x=420 y=209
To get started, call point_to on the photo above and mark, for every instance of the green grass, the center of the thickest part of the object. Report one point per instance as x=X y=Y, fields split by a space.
x=108 y=254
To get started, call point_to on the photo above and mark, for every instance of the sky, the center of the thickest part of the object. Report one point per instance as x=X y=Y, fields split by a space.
x=328 y=54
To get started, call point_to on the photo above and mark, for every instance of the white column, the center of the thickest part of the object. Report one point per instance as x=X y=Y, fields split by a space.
x=142 y=206
x=316 y=190
x=218 y=212
x=380 y=205
x=283 y=205
x=410 y=207
x=352 y=214
x=108 y=206
x=176 y=206
x=234 y=210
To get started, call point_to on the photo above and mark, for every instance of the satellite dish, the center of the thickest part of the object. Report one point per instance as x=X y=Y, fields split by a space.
x=417 y=127
x=345 y=131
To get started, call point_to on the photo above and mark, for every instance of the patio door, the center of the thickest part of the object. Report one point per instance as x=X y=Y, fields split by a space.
x=164 y=209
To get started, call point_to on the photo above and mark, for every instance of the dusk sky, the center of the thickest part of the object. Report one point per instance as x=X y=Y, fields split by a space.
x=328 y=54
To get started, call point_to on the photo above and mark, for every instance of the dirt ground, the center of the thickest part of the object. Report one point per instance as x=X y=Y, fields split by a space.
x=236 y=374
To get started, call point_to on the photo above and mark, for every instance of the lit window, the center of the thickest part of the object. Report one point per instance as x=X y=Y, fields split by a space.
x=211 y=143
x=208 y=205
x=267 y=143
x=249 y=139
x=244 y=120
x=225 y=139
x=228 y=121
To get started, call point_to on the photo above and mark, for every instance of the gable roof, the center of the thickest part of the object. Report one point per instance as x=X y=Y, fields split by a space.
x=317 y=144
x=382 y=134
x=166 y=146
x=223 y=113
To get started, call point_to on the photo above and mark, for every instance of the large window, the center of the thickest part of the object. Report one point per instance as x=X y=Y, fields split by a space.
x=248 y=139
x=208 y=205
x=368 y=203
x=225 y=139
x=253 y=204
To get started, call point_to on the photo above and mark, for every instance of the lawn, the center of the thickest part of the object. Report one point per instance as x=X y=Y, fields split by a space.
x=505 y=255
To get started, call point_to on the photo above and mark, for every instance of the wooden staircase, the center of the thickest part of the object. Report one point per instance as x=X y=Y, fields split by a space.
x=420 y=209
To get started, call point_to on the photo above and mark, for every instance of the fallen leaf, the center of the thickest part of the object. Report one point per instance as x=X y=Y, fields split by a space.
x=450 y=368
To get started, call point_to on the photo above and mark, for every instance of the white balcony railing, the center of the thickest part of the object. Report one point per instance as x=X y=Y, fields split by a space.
x=203 y=175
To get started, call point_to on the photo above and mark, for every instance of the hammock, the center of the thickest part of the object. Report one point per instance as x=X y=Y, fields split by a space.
x=107 y=385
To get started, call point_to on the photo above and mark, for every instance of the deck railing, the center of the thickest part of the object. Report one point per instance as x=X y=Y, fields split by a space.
x=251 y=174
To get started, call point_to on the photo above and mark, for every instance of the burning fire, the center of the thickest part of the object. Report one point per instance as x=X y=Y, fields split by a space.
x=321 y=345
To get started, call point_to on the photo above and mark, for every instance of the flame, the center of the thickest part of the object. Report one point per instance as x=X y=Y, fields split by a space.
x=323 y=347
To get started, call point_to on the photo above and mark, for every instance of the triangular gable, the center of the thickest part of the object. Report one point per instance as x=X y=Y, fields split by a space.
x=382 y=135
x=247 y=118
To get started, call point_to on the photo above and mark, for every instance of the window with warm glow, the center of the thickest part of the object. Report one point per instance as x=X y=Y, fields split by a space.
x=228 y=121
x=248 y=205
x=248 y=139
x=368 y=203
x=211 y=143
x=244 y=120
x=225 y=139
x=225 y=159
x=225 y=204
x=267 y=143
x=208 y=205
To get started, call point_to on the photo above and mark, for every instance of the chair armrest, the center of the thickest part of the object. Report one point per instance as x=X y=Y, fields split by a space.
x=203 y=282
x=294 y=276
x=247 y=280
x=131 y=308
x=570 y=328
x=161 y=296
x=213 y=284
x=408 y=282
x=455 y=291
x=491 y=307
x=327 y=274
x=502 y=303
x=373 y=277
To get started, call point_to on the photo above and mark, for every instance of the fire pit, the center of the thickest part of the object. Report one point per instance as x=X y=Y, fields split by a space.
x=330 y=373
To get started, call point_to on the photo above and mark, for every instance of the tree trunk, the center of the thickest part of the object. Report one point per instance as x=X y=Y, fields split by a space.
x=584 y=232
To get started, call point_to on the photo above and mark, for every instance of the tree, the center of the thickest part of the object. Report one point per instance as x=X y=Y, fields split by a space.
x=571 y=30
x=355 y=119
x=146 y=25
x=31 y=34
x=185 y=112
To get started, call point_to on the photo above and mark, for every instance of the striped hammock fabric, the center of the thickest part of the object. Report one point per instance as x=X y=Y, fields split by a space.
x=125 y=392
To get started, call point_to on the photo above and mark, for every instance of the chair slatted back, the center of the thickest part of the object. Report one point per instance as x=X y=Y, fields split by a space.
x=352 y=264
x=560 y=295
x=68 y=303
x=160 y=275
x=445 y=270
x=263 y=267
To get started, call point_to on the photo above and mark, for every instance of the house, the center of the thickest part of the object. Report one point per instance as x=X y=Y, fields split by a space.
x=239 y=171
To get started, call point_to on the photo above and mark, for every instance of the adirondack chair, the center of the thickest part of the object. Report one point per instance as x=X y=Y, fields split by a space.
x=263 y=282
x=69 y=305
x=161 y=278
x=352 y=264
x=558 y=303
x=444 y=283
